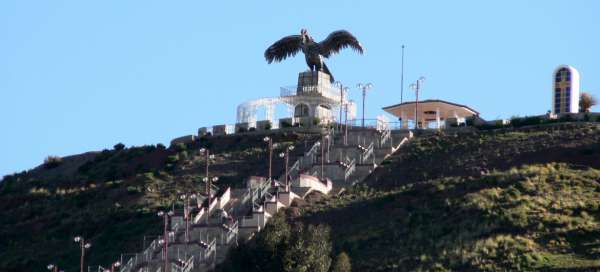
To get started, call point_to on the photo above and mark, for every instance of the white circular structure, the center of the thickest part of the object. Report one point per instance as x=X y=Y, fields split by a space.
x=313 y=100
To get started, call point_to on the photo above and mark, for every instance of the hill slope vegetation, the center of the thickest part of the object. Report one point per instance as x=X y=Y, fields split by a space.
x=505 y=200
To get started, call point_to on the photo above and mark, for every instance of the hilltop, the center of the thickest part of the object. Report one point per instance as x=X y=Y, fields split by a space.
x=463 y=199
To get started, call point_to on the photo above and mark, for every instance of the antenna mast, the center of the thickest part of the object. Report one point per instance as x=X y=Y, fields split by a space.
x=402 y=78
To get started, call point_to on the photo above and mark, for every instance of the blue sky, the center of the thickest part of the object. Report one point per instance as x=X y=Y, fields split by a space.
x=77 y=76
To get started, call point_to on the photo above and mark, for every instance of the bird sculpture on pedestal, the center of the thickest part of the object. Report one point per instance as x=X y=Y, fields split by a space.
x=313 y=52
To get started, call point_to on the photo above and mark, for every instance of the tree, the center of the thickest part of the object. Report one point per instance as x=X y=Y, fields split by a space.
x=308 y=250
x=342 y=263
x=586 y=102
x=119 y=146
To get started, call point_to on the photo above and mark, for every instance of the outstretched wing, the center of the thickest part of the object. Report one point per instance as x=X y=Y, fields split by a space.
x=286 y=47
x=337 y=41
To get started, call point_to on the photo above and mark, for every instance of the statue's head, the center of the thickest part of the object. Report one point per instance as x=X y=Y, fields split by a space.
x=304 y=35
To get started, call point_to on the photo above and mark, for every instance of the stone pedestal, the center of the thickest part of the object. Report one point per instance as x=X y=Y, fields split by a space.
x=314 y=98
x=313 y=82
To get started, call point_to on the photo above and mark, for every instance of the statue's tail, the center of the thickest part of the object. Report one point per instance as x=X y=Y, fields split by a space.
x=326 y=70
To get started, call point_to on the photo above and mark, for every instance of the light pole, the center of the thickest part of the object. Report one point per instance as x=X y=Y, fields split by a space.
x=206 y=179
x=320 y=144
x=186 y=214
x=322 y=157
x=165 y=240
x=83 y=246
x=286 y=156
x=364 y=88
x=346 y=124
x=52 y=267
x=209 y=181
x=114 y=266
x=269 y=142
x=417 y=87
x=342 y=90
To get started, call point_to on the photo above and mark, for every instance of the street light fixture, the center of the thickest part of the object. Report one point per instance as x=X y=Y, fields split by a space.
x=165 y=243
x=286 y=156
x=364 y=88
x=269 y=142
x=187 y=214
x=206 y=179
x=346 y=122
x=114 y=266
x=322 y=144
x=417 y=87
x=83 y=246
x=342 y=91
x=52 y=267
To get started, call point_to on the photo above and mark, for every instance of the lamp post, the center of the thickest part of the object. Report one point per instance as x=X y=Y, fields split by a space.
x=320 y=144
x=342 y=90
x=209 y=181
x=52 y=267
x=322 y=156
x=269 y=142
x=186 y=214
x=165 y=240
x=364 y=88
x=417 y=87
x=83 y=246
x=206 y=179
x=286 y=156
x=346 y=124
x=114 y=266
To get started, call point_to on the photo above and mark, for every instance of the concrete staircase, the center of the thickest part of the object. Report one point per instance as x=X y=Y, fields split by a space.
x=199 y=242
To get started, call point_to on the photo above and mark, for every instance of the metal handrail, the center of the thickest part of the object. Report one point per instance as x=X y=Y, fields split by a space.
x=187 y=265
x=368 y=153
x=350 y=170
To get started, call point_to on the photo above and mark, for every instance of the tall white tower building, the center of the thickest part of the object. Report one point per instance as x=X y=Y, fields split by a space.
x=565 y=91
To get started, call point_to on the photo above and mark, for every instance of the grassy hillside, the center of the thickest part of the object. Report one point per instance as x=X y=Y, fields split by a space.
x=473 y=153
x=504 y=200
x=111 y=197
x=536 y=217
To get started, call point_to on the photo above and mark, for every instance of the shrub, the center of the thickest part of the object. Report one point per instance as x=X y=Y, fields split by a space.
x=161 y=146
x=119 y=146
x=268 y=126
x=172 y=159
x=52 y=161
x=342 y=263
x=525 y=121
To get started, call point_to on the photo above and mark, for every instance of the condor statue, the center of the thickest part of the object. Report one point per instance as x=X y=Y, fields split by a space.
x=313 y=52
